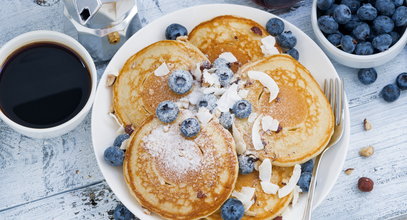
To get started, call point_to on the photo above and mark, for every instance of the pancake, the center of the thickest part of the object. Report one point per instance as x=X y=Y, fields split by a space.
x=137 y=90
x=301 y=108
x=180 y=178
x=266 y=206
x=229 y=34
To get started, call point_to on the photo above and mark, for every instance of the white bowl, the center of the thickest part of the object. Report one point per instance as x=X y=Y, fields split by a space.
x=69 y=42
x=352 y=60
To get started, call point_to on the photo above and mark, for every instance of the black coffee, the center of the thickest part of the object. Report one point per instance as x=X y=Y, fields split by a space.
x=43 y=85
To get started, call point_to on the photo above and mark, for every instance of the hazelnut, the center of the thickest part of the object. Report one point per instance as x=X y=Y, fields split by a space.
x=349 y=171
x=366 y=124
x=365 y=184
x=366 y=151
x=256 y=30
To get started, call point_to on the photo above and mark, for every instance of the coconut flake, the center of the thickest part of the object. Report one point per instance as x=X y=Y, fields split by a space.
x=228 y=56
x=245 y=196
x=203 y=115
x=269 y=188
x=195 y=95
x=296 y=195
x=243 y=93
x=214 y=90
x=265 y=170
x=256 y=138
x=252 y=117
x=228 y=99
x=269 y=124
x=125 y=144
x=210 y=78
x=238 y=137
x=268 y=46
x=267 y=81
x=197 y=73
x=162 y=70
x=287 y=189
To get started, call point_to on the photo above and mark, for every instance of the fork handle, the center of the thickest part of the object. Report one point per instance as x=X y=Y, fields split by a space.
x=311 y=190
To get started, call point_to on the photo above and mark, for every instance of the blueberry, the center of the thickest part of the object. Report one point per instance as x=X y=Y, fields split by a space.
x=275 y=26
x=331 y=10
x=361 y=31
x=400 y=16
x=342 y=14
x=190 y=127
x=122 y=213
x=367 y=12
x=367 y=76
x=324 y=4
x=335 y=39
x=402 y=81
x=208 y=101
x=390 y=93
x=327 y=24
x=114 y=156
x=175 y=30
x=119 y=139
x=180 y=81
x=225 y=75
x=398 y=3
x=246 y=164
x=294 y=53
x=226 y=120
x=354 y=21
x=167 y=111
x=382 y=42
x=304 y=181
x=364 y=48
x=286 y=40
x=385 y=7
x=232 y=209
x=383 y=24
x=394 y=37
x=352 y=4
x=307 y=166
x=220 y=63
x=348 y=44
x=242 y=109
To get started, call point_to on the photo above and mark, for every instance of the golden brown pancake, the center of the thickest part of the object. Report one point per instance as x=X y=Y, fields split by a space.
x=180 y=178
x=301 y=108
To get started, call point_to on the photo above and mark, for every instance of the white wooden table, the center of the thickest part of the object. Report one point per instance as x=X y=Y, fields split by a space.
x=58 y=178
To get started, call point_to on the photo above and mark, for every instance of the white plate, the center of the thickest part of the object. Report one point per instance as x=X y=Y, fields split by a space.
x=104 y=127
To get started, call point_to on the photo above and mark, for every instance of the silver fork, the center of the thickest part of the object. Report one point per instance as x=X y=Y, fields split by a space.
x=334 y=91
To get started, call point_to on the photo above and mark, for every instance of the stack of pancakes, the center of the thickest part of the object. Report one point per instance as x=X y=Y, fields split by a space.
x=180 y=178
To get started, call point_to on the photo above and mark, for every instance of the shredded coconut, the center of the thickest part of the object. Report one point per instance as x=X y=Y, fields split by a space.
x=245 y=196
x=228 y=56
x=228 y=99
x=287 y=189
x=265 y=170
x=203 y=115
x=215 y=91
x=267 y=82
x=268 y=46
x=197 y=73
x=210 y=78
x=162 y=70
x=269 y=124
x=256 y=138
x=238 y=137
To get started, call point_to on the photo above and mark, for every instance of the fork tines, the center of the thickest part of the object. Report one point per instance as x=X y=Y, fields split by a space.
x=334 y=91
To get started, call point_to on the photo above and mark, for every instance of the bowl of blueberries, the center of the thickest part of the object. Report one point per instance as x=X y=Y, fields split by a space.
x=360 y=33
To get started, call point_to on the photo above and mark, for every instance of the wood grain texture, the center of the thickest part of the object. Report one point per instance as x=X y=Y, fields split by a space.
x=59 y=178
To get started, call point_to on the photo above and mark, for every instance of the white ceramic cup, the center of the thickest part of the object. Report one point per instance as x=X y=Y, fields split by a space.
x=52 y=37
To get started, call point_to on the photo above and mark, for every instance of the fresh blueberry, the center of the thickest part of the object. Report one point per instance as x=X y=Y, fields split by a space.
x=307 y=166
x=390 y=93
x=208 y=101
x=114 y=156
x=225 y=75
x=382 y=42
x=400 y=16
x=385 y=7
x=364 y=48
x=342 y=14
x=294 y=53
x=402 y=81
x=180 y=81
x=383 y=24
x=286 y=40
x=398 y=3
x=354 y=21
x=367 y=76
x=190 y=127
x=242 y=109
x=226 y=120
x=220 y=63
x=367 y=12
x=394 y=37
x=175 y=30
x=361 y=31
x=335 y=39
x=246 y=164
x=304 y=181
x=352 y=4
x=324 y=4
x=275 y=26
x=122 y=213
x=167 y=111
x=331 y=10
x=232 y=209
x=348 y=44
x=119 y=139
x=327 y=24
